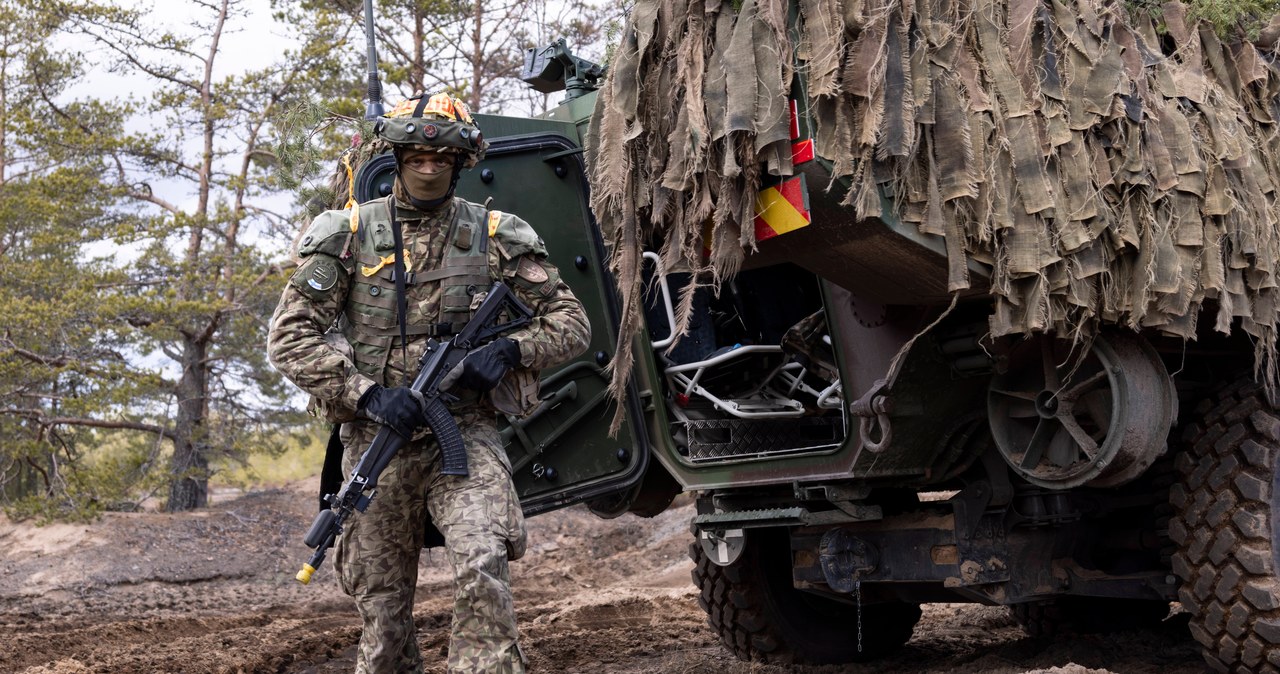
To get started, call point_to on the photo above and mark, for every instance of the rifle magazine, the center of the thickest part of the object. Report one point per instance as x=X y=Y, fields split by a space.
x=453 y=451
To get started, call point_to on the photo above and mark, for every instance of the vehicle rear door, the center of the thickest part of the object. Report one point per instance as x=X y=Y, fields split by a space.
x=561 y=453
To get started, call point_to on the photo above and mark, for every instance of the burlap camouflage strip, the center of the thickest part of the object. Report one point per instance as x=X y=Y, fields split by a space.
x=1058 y=141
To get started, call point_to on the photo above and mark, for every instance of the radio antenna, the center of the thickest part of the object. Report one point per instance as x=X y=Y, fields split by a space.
x=374 y=107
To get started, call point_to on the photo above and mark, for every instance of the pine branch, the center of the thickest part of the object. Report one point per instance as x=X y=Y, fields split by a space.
x=49 y=422
x=149 y=197
x=121 y=47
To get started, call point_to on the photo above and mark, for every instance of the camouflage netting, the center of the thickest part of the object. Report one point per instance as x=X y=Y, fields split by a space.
x=339 y=189
x=1107 y=171
x=361 y=151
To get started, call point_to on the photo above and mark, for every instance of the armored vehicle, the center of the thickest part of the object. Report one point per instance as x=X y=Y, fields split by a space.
x=924 y=302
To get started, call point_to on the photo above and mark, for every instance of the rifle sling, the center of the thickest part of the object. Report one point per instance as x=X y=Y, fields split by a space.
x=402 y=302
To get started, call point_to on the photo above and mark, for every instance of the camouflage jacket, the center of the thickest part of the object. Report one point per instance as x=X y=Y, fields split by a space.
x=303 y=346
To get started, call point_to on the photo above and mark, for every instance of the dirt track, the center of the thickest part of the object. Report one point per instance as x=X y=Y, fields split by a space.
x=214 y=592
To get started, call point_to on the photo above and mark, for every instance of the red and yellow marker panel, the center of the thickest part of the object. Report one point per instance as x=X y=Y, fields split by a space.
x=782 y=208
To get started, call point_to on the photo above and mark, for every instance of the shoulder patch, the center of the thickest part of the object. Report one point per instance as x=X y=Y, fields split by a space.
x=318 y=276
x=495 y=219
x=531 y=271
x=324 y=275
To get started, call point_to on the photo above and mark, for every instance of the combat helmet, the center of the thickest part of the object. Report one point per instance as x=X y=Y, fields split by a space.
x=440 y=123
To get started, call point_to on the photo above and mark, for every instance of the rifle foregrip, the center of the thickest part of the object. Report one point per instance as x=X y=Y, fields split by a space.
x=453 y=451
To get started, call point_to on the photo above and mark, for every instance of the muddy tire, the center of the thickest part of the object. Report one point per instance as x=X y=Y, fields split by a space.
x=761 y=617
x=1225 y=524
x=1087 y=615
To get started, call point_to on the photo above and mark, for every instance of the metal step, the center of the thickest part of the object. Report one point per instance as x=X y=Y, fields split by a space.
x=714 y=440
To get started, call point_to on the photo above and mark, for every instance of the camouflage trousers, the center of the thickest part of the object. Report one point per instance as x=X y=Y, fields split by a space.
x=483 y=527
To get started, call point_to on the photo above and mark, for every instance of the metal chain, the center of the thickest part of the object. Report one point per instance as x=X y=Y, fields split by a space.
x=857 y=594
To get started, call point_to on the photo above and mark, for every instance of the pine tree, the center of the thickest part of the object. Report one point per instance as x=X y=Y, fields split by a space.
x=165 y=336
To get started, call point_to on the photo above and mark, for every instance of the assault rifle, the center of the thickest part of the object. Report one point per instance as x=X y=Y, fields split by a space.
x=499 y=305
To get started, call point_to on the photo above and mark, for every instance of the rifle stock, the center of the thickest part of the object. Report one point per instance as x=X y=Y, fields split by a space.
x=439 y=358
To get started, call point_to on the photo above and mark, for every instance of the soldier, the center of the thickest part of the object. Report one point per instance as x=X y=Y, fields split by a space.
x=450 y=248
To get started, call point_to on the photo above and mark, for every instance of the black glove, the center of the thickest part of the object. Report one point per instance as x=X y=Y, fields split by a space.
x=482 y=369
x=401 y=408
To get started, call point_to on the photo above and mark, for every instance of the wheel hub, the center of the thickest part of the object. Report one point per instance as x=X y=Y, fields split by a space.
x=1047 y=404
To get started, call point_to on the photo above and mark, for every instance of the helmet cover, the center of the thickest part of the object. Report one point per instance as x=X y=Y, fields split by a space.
x=441 y=123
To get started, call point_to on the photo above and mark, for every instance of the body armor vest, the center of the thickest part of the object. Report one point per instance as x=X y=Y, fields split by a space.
x=371 y=325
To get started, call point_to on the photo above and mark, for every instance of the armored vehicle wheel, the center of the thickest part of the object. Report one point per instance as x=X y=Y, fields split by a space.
x=1226 y=507
x=760 y=616
x=1088 y=615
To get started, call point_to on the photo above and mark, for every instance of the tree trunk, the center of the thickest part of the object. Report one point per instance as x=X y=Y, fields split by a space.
x=189 y=470
x=418 y=69
x=477 y=57
x=4 y=111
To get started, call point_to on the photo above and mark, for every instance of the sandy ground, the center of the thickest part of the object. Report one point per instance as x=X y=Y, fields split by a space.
x=213 y=591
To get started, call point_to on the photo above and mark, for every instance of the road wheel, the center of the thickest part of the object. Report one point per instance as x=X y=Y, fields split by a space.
x=1225 y=528
x=1088 y=615
x=761 y=617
